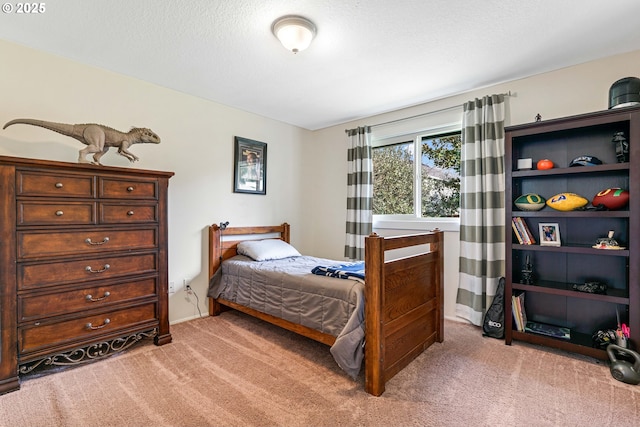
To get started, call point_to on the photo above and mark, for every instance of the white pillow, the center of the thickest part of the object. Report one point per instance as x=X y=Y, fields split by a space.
x=267 y=249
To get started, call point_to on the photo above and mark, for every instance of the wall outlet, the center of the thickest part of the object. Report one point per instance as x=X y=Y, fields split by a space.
x=186 y=286
x=172 y=287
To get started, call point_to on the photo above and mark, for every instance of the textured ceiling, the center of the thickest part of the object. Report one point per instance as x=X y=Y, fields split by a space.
x=369 y=56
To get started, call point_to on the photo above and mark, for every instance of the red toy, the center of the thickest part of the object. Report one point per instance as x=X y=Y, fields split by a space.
x=544 y=164
x=611 y=198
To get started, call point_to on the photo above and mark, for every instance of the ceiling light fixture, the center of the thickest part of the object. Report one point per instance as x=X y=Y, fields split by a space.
x=294 y=32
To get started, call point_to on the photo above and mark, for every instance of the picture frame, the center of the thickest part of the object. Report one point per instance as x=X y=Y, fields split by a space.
x=249 y=166
x=549 y=234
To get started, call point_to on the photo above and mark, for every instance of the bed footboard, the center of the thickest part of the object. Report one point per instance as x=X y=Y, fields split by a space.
x=404 y=305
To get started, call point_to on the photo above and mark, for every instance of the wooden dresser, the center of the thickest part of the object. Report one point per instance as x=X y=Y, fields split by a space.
x=83 y=263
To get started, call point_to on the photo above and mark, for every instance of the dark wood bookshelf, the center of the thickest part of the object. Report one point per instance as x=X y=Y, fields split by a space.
x=551 y=299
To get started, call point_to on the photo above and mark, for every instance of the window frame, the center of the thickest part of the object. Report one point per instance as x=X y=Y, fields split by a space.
x=415 y=221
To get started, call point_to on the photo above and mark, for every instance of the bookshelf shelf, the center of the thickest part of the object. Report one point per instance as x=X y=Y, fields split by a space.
x=587 y=250
x=616 y=296
x=579 y=343
x=550 y=213
x=616 y=167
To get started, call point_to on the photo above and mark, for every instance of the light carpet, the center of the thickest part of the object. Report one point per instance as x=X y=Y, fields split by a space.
x=233 y=370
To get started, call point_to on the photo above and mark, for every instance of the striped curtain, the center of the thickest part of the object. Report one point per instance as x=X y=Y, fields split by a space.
x=359 y=192
x=482 y=221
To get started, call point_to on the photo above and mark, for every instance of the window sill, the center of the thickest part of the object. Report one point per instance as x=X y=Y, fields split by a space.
x=426 y=224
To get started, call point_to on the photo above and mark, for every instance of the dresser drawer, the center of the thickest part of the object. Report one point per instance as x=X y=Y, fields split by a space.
x=65 y=332
x=31 y=183
x=32 y=276
x=55 y=213
x=113 y=188
x=128 y=214
x=38 y=306
x=34 y=244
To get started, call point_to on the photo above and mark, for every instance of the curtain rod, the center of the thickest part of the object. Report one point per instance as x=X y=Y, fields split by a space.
x=429 y=113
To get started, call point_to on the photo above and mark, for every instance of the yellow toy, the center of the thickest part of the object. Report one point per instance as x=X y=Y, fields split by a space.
x=566 y=202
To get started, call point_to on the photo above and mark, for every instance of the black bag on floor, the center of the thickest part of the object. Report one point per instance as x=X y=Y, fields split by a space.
x=493 y=325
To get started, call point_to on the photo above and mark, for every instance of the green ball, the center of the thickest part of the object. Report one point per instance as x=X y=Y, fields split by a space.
x=530 y=202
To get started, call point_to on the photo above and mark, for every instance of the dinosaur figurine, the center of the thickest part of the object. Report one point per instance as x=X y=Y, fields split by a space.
x=97 y=138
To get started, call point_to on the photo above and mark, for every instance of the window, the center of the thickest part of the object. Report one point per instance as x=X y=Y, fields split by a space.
x=440 y=175
x=393 y=179
x=401 y=185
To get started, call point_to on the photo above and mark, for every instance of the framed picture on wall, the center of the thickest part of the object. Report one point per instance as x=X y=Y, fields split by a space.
x=549 y=234
x=250 y=166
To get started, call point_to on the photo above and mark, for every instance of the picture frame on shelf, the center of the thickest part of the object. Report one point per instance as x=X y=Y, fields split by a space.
x=549 y=234
x=250 y=166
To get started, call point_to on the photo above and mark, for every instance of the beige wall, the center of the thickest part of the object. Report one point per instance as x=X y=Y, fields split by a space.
x=197 y=144
x=306 y=181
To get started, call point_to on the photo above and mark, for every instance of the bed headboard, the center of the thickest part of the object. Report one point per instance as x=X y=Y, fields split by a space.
x=220 y=249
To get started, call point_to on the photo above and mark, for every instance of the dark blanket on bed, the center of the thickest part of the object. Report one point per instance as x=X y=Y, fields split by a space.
x=350 y=270
x=287 y=289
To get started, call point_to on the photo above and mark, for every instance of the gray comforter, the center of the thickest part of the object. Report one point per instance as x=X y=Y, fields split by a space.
x=287 y=289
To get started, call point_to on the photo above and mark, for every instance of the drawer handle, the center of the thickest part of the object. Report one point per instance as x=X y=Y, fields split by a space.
x=130 y=213
x=88 y=240
x=59 y=213
x=129 y=189
x=90 y=326
x=59 y=185
x=92 y=299
x=91 y=270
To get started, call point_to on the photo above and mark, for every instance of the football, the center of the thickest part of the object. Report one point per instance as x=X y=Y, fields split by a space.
x=529 y=202
x=566 y=202
x=611 y=198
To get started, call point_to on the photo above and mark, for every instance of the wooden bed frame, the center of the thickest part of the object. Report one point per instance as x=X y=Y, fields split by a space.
x=403 y=298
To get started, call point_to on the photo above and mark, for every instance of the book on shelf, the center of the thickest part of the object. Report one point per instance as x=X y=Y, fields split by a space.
x=519 y=314
x=516 y=231
x=522 y=231
x=526 y=237
x=548 y=330
x=532 y=240
x=514 y=311
x=519 y=230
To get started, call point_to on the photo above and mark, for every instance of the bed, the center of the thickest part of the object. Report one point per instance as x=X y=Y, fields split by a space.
x=402 y=298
